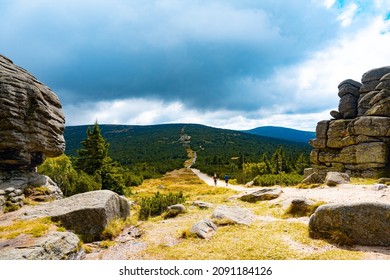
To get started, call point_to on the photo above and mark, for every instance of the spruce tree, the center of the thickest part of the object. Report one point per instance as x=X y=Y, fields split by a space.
x=94 y=153
x=94 y=160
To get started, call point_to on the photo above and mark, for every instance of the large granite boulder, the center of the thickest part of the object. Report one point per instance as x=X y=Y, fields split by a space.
x=356 y=223
x=86 y=214
x=32 y=121
x=357 y=140
x=31 y=128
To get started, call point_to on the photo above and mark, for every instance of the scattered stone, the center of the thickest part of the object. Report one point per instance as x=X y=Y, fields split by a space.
x=313 y=178
x=366 y=224
x=174 y=210
x=335 y=178
x=87 y=213
x=224 y=215
x=204 y=229
x=379 y=187
x=202 y=204
x=178 y=207
x=260 y=194
x=53 y=246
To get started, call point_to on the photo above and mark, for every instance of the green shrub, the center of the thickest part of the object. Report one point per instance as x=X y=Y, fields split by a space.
x=156 y=205
x=284 y=179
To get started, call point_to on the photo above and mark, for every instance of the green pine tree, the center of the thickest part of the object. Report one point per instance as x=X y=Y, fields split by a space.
x=94 y=160
x=94 y=153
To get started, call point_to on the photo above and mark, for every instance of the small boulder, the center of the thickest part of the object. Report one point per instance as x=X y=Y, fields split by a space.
x=174 y=210
x=204 y=229
x=366 y=224
x=224 y=215
x=177 y=207
x=202 y=204
x=335 y=178
x=313 y=178
x=260 y=194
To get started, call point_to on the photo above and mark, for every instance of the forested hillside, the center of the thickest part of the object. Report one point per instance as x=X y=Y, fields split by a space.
x=159 y=146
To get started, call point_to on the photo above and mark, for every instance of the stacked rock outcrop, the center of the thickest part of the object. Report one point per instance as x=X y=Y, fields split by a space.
x=31 y=128
x=357 y=140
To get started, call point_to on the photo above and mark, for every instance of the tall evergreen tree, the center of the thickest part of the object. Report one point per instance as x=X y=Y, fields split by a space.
x=94 y=160
x=94 y=153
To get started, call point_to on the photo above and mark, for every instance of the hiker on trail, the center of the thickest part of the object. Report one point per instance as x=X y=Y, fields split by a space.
x=227 y=180
x=215 y=178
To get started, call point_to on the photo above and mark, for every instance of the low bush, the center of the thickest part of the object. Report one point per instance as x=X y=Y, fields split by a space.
x=157 y=204
x=284 y=179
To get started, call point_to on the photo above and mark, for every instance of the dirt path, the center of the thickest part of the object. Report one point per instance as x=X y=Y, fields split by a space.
x=209 y=181
x=340 y=194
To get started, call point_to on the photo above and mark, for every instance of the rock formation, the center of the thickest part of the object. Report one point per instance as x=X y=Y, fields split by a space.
x=356 y=141
x=31 y=128
x=87 y=214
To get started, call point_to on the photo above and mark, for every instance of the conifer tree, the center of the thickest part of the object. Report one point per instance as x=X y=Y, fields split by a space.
x=94 y=153
x=94 y=160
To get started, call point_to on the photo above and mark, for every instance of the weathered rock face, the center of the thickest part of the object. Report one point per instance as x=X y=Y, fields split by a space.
x=87 y=213
x=32 y=121
x=31 y=128
x=54 y=246
x=357 y=223
x=357 y=140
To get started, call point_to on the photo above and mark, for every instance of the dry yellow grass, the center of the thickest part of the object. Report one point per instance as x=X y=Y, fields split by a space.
x=273 y=238
x=36 y=227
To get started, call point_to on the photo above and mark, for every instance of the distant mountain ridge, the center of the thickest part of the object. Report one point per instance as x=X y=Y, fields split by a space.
x=283 y=133
x=160 y=143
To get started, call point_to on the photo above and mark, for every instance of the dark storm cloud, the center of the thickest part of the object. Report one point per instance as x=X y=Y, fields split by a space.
x=203 y=53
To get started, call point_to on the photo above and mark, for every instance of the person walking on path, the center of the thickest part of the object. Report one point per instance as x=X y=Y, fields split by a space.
x=226 y=180
x=215 y=178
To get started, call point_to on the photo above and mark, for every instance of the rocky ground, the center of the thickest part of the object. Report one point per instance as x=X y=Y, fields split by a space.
x=129 y=245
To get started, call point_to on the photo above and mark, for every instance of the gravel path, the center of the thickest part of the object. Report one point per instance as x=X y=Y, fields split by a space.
x=340 y=194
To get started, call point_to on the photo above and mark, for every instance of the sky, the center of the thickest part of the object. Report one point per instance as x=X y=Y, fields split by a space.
x=235 y=64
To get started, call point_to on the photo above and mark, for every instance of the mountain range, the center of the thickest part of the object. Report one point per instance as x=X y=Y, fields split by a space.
x=283 y=133
x=132 y=144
